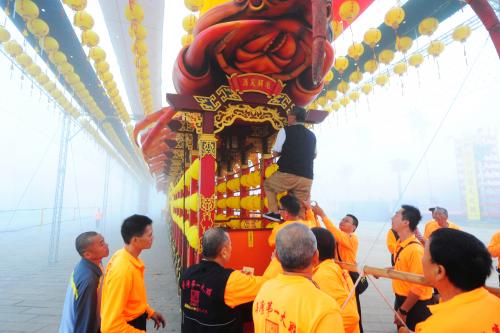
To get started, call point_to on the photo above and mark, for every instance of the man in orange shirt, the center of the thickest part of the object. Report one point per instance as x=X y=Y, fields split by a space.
x=291 y=302
x=440 y=220
x=411 y=299
x=211 y=293
x=458 y=264
x=334 y=280
x=346 y=247
x=494 y=249
x=124 y=307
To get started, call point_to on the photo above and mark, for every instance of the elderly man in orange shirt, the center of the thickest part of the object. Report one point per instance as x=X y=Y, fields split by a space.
x=291 y=302
x=440 y=220
x=411 y=299
x=458 y=264
x=124 y=307
x=494 y=249
x=210 y=293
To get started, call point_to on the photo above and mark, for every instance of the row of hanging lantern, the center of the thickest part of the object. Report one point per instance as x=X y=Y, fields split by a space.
x=85 y=22
x=189 y=22
x=348 y=10
x=135 y=15
x=89 y=38
x=29 y=67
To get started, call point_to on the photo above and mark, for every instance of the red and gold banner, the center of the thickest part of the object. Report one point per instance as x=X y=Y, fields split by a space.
x=253 y=82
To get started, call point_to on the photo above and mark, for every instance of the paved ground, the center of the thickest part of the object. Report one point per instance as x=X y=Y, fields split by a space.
x=32 y=291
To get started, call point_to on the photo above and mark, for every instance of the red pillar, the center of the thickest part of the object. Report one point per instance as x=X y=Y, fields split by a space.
x=206 y=183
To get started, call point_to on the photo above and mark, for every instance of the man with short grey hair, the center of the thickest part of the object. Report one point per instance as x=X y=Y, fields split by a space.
x=291 y=302
x=210 y=292
x=440 y=220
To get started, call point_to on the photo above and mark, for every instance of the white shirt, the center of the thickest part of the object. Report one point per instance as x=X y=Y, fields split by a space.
x=281 y=137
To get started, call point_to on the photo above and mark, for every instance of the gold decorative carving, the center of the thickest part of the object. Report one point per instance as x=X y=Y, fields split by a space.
x=207 y=207
x=194 y=120
x=281 y=100
x=207 y=145
x=208 y=103
x=245 y=112
x=227 y=94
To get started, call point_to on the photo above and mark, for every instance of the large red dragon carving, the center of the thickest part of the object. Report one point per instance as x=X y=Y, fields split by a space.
x=286 y=40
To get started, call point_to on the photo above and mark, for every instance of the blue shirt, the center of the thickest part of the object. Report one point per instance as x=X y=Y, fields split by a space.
x=80 y=311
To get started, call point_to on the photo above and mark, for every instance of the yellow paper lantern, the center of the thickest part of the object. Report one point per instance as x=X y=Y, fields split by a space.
x=106 y=76
x=13 y=48
x=370 y=66
x=24 y=60
x=321 y=101
x=344 y=101
x=101 y=67
x=356 y=76
x=76 y=5
x=416 y=60
x=134 y=12
x=144 y=74
x=90 y=38
x=335 y=106
x=4 y=35
x=97 y=54
x=137 y=32
x=341 y=64
x=382 y=79
x=328 y=77
x=367 y=88
x=57 y=58
x=38 y=28
x=33 y=70
x=49 y=86
x=343 y=87
x=42 y=78
x=49 y=44
x=461 y=33
x=400 y=68
x=83 y=20
x=428 y=25
x=386 y=56
x=331 y=94
x=355 y=51
x=109 y=85
x=27 y=9
x=140 y=48
x=349 y=10
x=141 y=62
x=189 y=22
x=372 y=37
x=435 y=48
x=403 y=44
x=337 y=28
x=72 y=78
x=354 y=96
x=193 y=5
x=394 y=17
x=186 y=40
x=312 y=106
x=79 y=86
x=65 y=68
x=193 y=237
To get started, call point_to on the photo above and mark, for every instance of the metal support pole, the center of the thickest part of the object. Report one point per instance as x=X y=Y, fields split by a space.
x=105 y=195
x=59 y=195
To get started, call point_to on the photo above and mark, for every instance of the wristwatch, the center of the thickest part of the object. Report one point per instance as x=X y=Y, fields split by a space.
x=403 y=312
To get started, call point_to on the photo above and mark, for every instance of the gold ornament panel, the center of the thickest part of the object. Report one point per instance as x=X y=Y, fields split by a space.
x=207 y=145
x=244 y=112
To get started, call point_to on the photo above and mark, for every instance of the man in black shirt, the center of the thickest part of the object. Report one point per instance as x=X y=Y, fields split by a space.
x=296 y=147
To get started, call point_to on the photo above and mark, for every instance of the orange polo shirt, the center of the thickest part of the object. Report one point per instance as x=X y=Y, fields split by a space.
x=273 y=270
x=432 y=226
x=241 y=288
x=347 y=244
x=391 y=241
x=494 y=246
x=292 y=303
x=123 y=293
x=473 y=311
x=337 y=283
x=410 y=260
x=272 y=238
